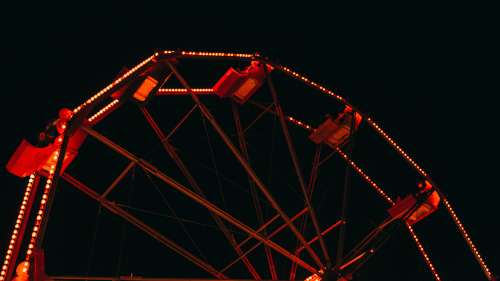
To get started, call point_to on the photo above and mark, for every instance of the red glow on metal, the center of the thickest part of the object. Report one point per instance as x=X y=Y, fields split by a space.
x=316 y=238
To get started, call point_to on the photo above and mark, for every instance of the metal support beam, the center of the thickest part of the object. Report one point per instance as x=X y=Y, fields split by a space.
x=153 y=170
x=323 y=233
x=257 y=119
x=268 y=237
x=185 y=171
x=297 y=168
x=179 y=124
x=303 y=221
x=345 y=198
x=144 y=227
x=120 y=177
x=253 y=189
x=245 y=165
x=50 y=200
x=260 y=229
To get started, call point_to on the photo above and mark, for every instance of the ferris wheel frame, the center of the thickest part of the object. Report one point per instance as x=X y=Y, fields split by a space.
x=79 y=122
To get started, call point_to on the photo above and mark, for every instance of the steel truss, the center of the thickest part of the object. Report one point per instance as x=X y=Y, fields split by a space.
x=322 y=266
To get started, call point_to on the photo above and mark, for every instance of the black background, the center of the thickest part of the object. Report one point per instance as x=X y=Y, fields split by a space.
x=428 y=74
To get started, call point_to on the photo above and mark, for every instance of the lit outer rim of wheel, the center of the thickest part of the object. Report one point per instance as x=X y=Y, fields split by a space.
x=249 y=57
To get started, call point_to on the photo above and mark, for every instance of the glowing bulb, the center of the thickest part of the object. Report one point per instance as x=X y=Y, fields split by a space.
x=22 y=268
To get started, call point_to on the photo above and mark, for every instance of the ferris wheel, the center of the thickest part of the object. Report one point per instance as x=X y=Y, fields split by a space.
x=240 y=167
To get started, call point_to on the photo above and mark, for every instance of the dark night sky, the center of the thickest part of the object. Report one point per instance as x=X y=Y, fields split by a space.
x=427 y=74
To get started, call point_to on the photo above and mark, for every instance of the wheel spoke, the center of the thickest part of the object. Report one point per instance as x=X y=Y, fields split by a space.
x=153 y=170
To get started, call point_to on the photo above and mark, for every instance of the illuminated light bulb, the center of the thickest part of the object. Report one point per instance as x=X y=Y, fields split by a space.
x=22 y=268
